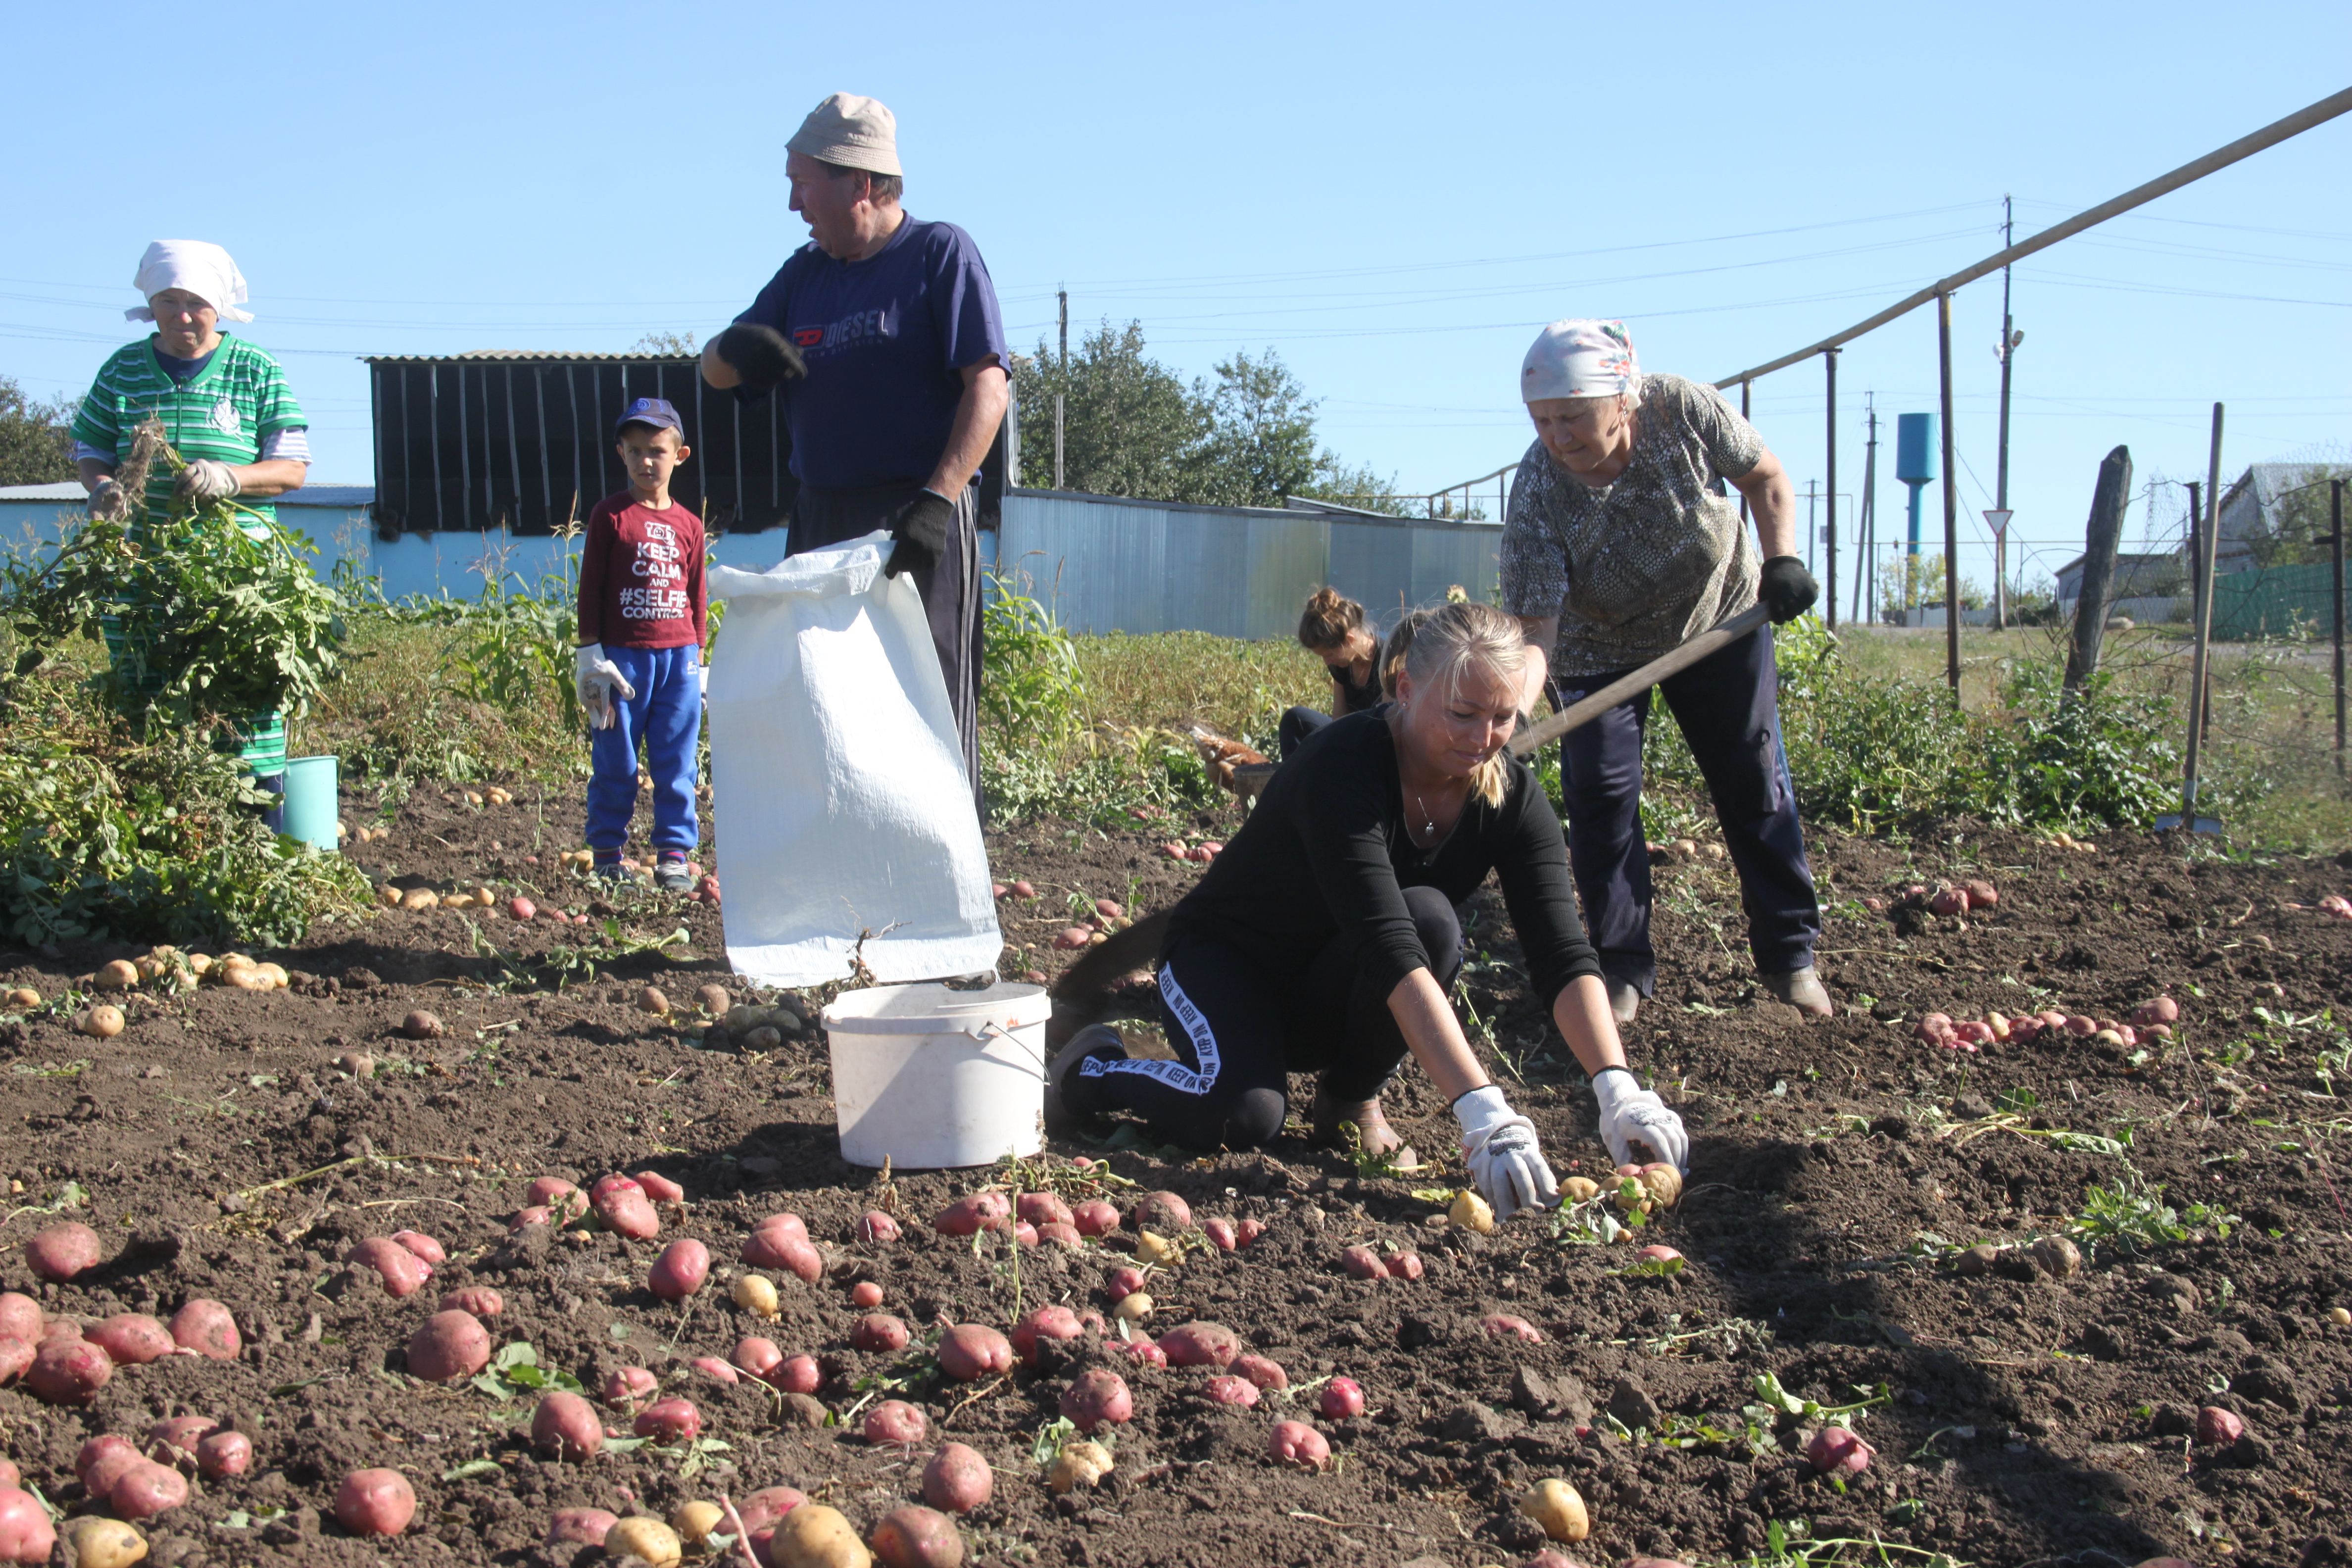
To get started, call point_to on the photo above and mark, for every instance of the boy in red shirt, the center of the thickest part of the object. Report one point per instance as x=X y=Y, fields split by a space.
x=640 y=667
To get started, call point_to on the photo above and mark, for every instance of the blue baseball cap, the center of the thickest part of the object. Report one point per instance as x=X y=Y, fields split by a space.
x=654 y=410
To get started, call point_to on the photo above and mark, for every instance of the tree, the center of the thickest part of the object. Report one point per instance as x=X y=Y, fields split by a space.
x=1918 y=580
x=2295 y=517
x=668 y=345
x=34 y=443
x=1128 y=426
x=1258 y=444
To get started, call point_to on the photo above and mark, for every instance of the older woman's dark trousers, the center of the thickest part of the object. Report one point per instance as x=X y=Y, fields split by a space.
x=1239 y=1030
x=1728 y=710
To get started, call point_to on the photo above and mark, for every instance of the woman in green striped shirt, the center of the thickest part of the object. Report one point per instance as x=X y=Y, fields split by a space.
x=224 y=406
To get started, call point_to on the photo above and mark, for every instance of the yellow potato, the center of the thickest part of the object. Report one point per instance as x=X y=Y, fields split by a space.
x=473 y=798
x=1576 y=1189
x=693 y=1521
x=1471 y=1212
x=1158 y=1249
x=420 y=899
x=101 y=1021
x=1080 y=1464
x=483 y=898
x=119 y=975
x=95 y=1542
x=1133 y=1308
x=23 y=996
x=1629 y=1195
x=1665 y=1183
x=246 y=977
x=815 y=1536
x=200 y=964
x=1555 y=1505
x=756 y=1294
x=458 y=901
x=388 y=896
x=647 y=1537
x=2339 y=1316
x=276 y=974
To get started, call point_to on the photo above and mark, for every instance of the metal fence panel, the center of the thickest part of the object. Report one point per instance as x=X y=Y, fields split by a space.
x=1372 y=564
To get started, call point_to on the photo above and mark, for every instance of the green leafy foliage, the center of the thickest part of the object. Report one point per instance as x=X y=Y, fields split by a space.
x=514 y=1371
x=35 y=445
x=2130 y=1216
x=1032 y=686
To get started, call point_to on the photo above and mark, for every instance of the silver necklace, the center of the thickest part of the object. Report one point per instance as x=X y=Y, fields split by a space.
x=1429 y=823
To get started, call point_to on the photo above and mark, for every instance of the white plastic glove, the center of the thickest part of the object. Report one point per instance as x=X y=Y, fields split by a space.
x=1631 y=1114
x=110 y=501
x=1499 y=1146
x=597 y=678
x=205 y=482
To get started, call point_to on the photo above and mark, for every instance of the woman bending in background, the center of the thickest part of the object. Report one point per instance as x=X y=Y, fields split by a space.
x=1332 y=628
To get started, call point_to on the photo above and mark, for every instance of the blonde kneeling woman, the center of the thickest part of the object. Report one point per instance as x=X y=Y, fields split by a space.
x=1324 y=939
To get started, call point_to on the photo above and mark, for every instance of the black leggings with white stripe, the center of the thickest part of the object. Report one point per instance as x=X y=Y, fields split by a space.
x=1240 y=1031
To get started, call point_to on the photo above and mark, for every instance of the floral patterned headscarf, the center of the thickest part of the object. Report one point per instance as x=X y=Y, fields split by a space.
x=1578 y=359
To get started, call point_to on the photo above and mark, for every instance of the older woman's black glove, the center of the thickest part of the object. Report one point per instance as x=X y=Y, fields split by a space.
x=920 y=528
x=760 y=355
x=1787 y=590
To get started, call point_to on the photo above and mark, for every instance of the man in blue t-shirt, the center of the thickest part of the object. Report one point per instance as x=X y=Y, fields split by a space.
x=883 y=338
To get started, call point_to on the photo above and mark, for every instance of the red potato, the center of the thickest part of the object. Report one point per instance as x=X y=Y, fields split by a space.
x=1227 y=1389
x=1025 y=1232
x=2216 y=1425
x=1266 y=1374
x=1296 y=1443
x=179 y=1435
x=625 y=1388
x=2156 y=1010
x=660 y=1188
x=9 y=1474
x=623 y=1206
x=671 y=1420
x=544 y=1190
x=1124 y=1281
x=1221 y=1234
x=1206 y=852
x=759 y=1357
x=717 y=1371
x=62 y=1329
x=1043 y=1324
x=1071 y=938
x=20 y=1317
x=1162 y=1212
x=2078 y=1025
x=400 y=1271
x=970 y=1351
x=799 y=1374
x=1200 y=1345
x=680 y=1270
x=1065 y=1236
x=1097 y=1395
x=376 y=1503
x=1934 y=1026
x=1091 y=1321
x=1095 y=1217
x=1981 y=894
x=914 y=1537
x=1834 y=1451
x=768 y=1504
x=877 y=1229
x=68 y=1372
x=132 y=1338
x=878 y=1332
x=1249 y=1230
x=586 y=1526
x=521 y=908
x=971 y=1215
x=1024 y=890
x=772 y=1247
x=15 y=1355
x=1175 y=851
x=1405 y=1265
x=424 y=1246
x=1341 y=1398
x=523 y=1219
x=99 y=1473
x=1657 y=1252
x=894 y=1423
x=1973 y=1033
x=866 y=1295
x=1949 y=901
x=146 y=1489
x=2023 y=1030
x=567 y=1427
x=1043 y=1209
x=25 y=1533
x=449 y=1346
x=223 y=1454
x=478 y=1299
x=1143 y=1351
x=1363 y=1263
x=1503 y=1326
x=958 y=1480
x=62 y=1251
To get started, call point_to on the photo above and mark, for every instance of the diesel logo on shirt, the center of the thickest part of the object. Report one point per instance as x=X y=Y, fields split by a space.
x=848 y=332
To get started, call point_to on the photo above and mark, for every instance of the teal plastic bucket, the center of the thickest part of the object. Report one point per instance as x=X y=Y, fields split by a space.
x=311 y=802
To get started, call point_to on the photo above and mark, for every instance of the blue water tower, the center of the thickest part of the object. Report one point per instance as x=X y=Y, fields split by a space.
x=1914 y=460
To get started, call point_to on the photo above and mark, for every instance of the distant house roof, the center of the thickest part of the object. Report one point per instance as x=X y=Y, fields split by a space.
x=2136 y=576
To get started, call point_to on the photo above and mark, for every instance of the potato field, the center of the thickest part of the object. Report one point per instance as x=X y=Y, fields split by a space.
x=487 y=1240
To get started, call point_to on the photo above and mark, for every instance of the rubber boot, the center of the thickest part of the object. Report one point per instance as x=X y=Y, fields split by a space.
x=1801 y=989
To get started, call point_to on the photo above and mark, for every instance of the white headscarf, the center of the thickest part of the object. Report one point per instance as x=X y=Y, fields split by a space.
x=1579 y=359
x=200 y=267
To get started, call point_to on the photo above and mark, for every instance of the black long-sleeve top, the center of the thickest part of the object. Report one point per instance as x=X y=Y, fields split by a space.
x=1326 y=850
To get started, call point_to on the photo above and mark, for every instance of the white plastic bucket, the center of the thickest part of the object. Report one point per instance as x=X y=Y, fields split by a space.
x=927 y=1078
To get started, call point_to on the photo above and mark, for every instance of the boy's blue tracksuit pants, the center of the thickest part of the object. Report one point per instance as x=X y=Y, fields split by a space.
x=665 y=717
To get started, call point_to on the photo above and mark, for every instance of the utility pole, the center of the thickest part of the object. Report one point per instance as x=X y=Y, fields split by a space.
x=2336 y=560
x=2010 y=339
x=1061 y=400
x=1866 y=608
x=1813 y=496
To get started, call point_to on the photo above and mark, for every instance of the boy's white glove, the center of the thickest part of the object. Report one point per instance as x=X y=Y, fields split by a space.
x=597 y=678
x=1499 y=1146
x=1631 y=1114
x=205 y=482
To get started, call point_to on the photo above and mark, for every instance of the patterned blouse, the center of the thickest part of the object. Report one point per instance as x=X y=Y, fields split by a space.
x=1636 y=567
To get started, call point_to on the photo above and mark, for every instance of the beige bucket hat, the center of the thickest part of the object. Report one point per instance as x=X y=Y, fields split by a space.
x=852 y=131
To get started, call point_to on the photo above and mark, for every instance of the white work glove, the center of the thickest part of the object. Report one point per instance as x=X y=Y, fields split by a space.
x=109 y=503
x=1498 y=1145
x=205 y=482
x=597 y=678
x=1632 y=1114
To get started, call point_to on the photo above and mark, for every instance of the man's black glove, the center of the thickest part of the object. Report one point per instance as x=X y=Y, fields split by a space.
x=1787 y=590
x=760 y=355
x=921 y=527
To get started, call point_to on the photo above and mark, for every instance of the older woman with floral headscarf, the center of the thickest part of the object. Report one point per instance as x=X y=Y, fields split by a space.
x=1620 y=544
x=225 y=407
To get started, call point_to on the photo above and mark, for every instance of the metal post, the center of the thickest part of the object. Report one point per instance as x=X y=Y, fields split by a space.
x=1812 y=506
x=1063 y=386
x=1951 y=501
x=2336 y=560
x=1866 y=608
x=1745 y=388
x=2212 y=522
x=2001 y=484
x=1831 y=358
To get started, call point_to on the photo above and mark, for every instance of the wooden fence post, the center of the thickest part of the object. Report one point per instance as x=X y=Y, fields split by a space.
x=2100 y=538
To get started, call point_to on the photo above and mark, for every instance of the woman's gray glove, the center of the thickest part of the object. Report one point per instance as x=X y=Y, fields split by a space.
x=1635 y=1120
x=1787 y=590
x=761 y=356
x=109 y=503
x=205 y=481
x=1499 y=1146
x=921 y=527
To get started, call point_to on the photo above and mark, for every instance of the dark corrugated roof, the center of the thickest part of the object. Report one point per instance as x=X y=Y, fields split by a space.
x=478 y=356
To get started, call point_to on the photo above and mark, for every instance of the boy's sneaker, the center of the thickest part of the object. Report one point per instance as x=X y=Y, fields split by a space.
x=609 y=870
x=672 y=876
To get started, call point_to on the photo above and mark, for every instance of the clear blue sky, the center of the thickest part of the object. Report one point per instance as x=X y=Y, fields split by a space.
x=1393 y=197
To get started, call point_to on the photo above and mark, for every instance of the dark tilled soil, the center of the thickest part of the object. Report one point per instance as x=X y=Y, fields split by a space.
x=219 y=1152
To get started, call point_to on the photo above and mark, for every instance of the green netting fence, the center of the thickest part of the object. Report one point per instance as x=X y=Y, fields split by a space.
x=2274 y=602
